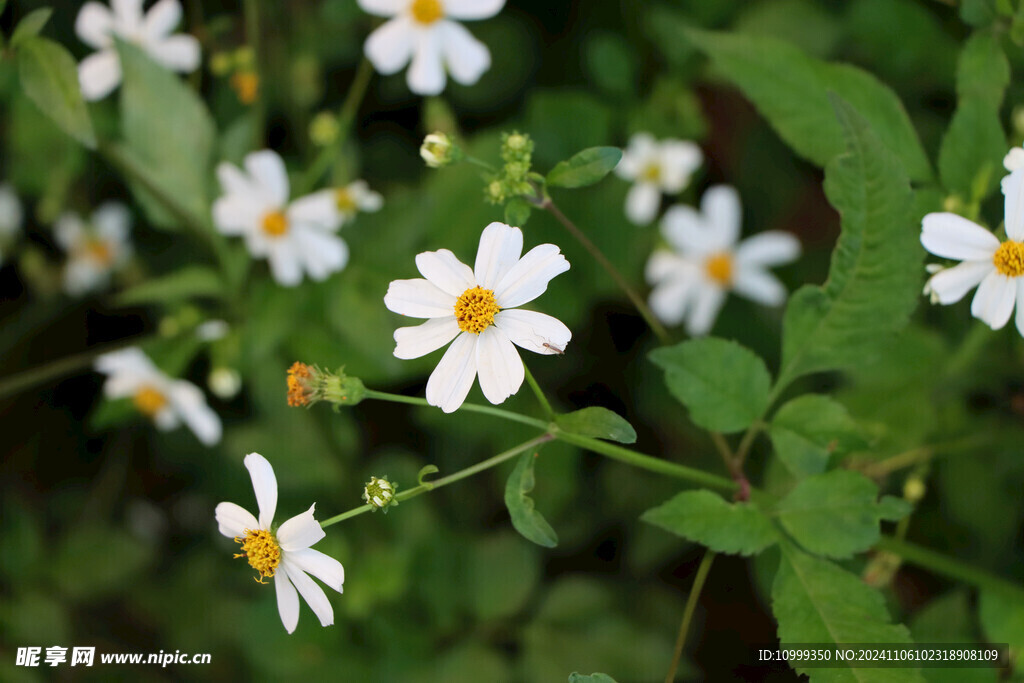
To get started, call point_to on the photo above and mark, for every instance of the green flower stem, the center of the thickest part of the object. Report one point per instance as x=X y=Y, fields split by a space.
x=468 y=407
x=691 y=607
x=922 y=454
x=346 y=116
x=541 y=398
x=253 y=36
x=481 y=163
x=636 y=299
x=951 y=567
x=14 y=384
x=444 y=481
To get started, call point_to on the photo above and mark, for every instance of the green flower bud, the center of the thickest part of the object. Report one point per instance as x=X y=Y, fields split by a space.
x=438 y=150
x=324 y=129
x=380 y=493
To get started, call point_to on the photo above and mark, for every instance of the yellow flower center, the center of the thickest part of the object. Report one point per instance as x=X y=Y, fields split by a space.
x=344 y=200
x=299 y=380
x=475 y=309
x=427 y=12
x=263 y=552
x=1009 y=258
x=719 y=268
x=99 y=251
x=149 y=401
x=246 y=85
x=275 y=224
x=652 y=173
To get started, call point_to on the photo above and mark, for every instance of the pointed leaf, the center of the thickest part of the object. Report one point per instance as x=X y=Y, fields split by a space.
x=585 y=168
x=705 y=518
x=526 y=520
x=186 y=283
x=49 y=77
x=592 y=678
x=809 y=430
x=31 y=25
x=599 y=423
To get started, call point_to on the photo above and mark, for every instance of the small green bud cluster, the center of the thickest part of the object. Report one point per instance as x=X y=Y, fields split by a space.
x=514 y=178
x=380 y=493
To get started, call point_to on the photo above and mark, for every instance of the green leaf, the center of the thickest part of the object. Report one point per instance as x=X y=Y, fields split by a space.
x=585 y=168
x=970 y=159
x=517 y=212
x=724 y=385
x=837 y=514
x=978 y=12
x=704 y=517
x=874 y=280
x=791 y=90
x=815 y=601
x=49 y=77
x=599 y=423
x=30 y=26
x=1002 y=619
x=809 y=430
x=169 y=132
x=526 y=520
x=592 y=678
x=187 y=283
x=503 y=571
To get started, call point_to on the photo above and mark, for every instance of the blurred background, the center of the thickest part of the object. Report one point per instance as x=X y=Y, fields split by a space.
x=107 y=535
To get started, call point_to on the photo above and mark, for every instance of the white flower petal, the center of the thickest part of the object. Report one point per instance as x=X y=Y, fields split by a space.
x=951 y=284
x=166 y=420
x=323 y=567
x=94 y=25
x=1020 y=306
x=498 y=365
x=671 y=298
x=529 y=278
x=722 y=213
x=190 y=404
x=391 y=46
x=383 y=8
x=772 y=248
x=287 y=601
x=466 y=57
x=285 y=263
x=1014 y=159
x=639 y=153
x=264 y=484
x=234 y=520
x=418 y=298
x=367 y=199
x=161 y=19
x=179 y=53
x=951 y=236
x=1013 y=188
x=445 y=272
x=319 y=210
x=83 y=275
x=708 y=302
x=128 y=15
x=758 y=285
x=68 y=231
x=301 y=531
x=236 y=215
x=311 y=593
x=322 y=253
x=451 y=380
x=679 y=159
x=534 y=331
x=642 y=203
x=414 y=342
x=426 y=73
x=99 y=74
x=234 y=182
x=499 y=250
x=993 y=302
x=686 y=231
x=267 y=168
x=112 y=221
x=468 y=10
x=665 y=264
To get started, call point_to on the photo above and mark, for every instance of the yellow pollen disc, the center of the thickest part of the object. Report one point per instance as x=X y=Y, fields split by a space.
x=427 y=11
x=475 y=309
x=246 y=85
x=719 y=268
x=275 y=224
x=262 y=550
x=149 y=401
x=100 y=252
x=1009 y=258
x=652 y=173
x=344 y=200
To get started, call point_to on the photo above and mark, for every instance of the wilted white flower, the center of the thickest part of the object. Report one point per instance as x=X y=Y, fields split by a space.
x=655 y=168
x=95 y=249
x=995 y=268
x=97 y=26
x=707 y=261
x=294 y=237
x=477 y=308
x=11 y=215
x=283 y=553
x=166 y=401
x=422 y=31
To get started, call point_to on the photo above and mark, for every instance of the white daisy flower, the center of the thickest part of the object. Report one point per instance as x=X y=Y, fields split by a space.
x=283 y=554
x=166 y=401
x=477 y=308
x=994 y=267
x=1014 y=159
x=707 y=261
x=348 y=201
x=655 y=168
x=421 y=31
x=11 y=215
x=96 y=25
x=95 y=249
x=294 y=237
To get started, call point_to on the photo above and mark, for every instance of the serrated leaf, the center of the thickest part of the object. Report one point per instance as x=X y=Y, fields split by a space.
x=837 y=513
x=592 y=678
x=970 y=159
x=874 y=280
x=187 y=283
x=584 y=168
x=809 y=430
x=517 y=212
x=525 y=518
x=169 y=132
x=815 y=601
x=724 y=385
x=705 y=518
x=791 y=90
x=599 y=423
x=49 y=77
x=31 y=25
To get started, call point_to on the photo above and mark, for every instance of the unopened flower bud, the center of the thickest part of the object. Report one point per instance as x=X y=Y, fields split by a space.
x=324 y=129
x=220 y=63
x=914 y=490
x=380 y=493
x=495 y=192
x=225 y=383
x=438 y=150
